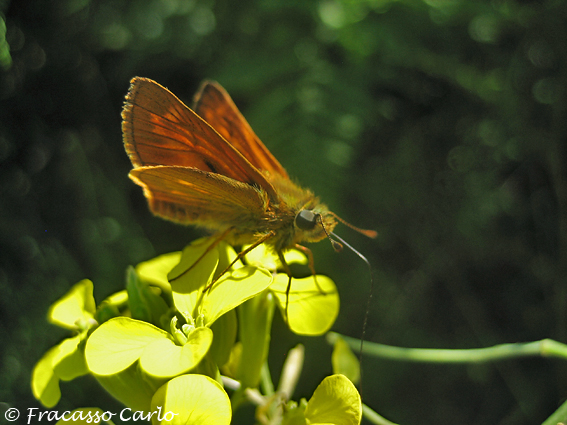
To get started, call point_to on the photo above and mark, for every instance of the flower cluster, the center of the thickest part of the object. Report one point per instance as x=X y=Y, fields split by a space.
x=187 y=332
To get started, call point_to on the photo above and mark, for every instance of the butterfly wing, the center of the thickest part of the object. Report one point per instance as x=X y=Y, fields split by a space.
x=159 y=129
x=214 y=105
x=190 y=196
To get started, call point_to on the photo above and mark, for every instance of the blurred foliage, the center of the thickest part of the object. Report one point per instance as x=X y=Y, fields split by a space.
x=440 y=123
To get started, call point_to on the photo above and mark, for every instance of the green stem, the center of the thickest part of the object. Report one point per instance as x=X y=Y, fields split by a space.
x=374 y=417
x=558 y=417
x=237 y=398
x=266 y=380
x=543 y=348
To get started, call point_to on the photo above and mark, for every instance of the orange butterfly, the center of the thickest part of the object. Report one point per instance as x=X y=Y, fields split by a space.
x=206 y=167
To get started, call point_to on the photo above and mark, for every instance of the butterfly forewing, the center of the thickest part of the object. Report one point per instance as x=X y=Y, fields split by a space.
x=160 y=130
x=192 y=173
x=214 y=105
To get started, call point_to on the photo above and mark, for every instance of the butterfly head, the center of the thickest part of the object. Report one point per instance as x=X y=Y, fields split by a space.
x=318 y=225
x=314 y=225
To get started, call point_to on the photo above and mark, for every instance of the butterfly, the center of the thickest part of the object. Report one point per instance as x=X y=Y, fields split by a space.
x=206 y=167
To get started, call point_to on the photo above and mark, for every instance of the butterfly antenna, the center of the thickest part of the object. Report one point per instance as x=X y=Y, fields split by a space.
x=366 y=232
x=337 y=246
x=368 y=302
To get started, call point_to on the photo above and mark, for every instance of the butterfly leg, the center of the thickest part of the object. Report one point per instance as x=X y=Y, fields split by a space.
x=241 y=254
x=311 y=265
x=211 y=246
x=288 y=289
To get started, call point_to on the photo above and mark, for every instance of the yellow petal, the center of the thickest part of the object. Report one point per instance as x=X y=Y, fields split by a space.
x=192 y=400
x=75 y=306
x=118 y=343
x=335 y=401
x=312 y=306
x=163 y=358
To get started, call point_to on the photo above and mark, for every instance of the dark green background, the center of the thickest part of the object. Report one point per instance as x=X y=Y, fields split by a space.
x=440 y=123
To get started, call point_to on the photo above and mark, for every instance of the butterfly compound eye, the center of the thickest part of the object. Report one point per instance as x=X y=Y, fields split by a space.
x=306 y=219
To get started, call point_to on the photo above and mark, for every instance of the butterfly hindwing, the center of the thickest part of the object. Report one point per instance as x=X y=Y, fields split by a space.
x=191 y=196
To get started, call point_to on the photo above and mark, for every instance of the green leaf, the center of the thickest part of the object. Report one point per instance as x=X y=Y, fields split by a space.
x=335 y=401
x=145 y=304
x=118 y=343
x=194 y=400
x=344 y=361
x=76 y=308
x=163 y=358
x=255 y=322
x=231 y=367
x=209 y=368
x=313 y=305
x=224 y=331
